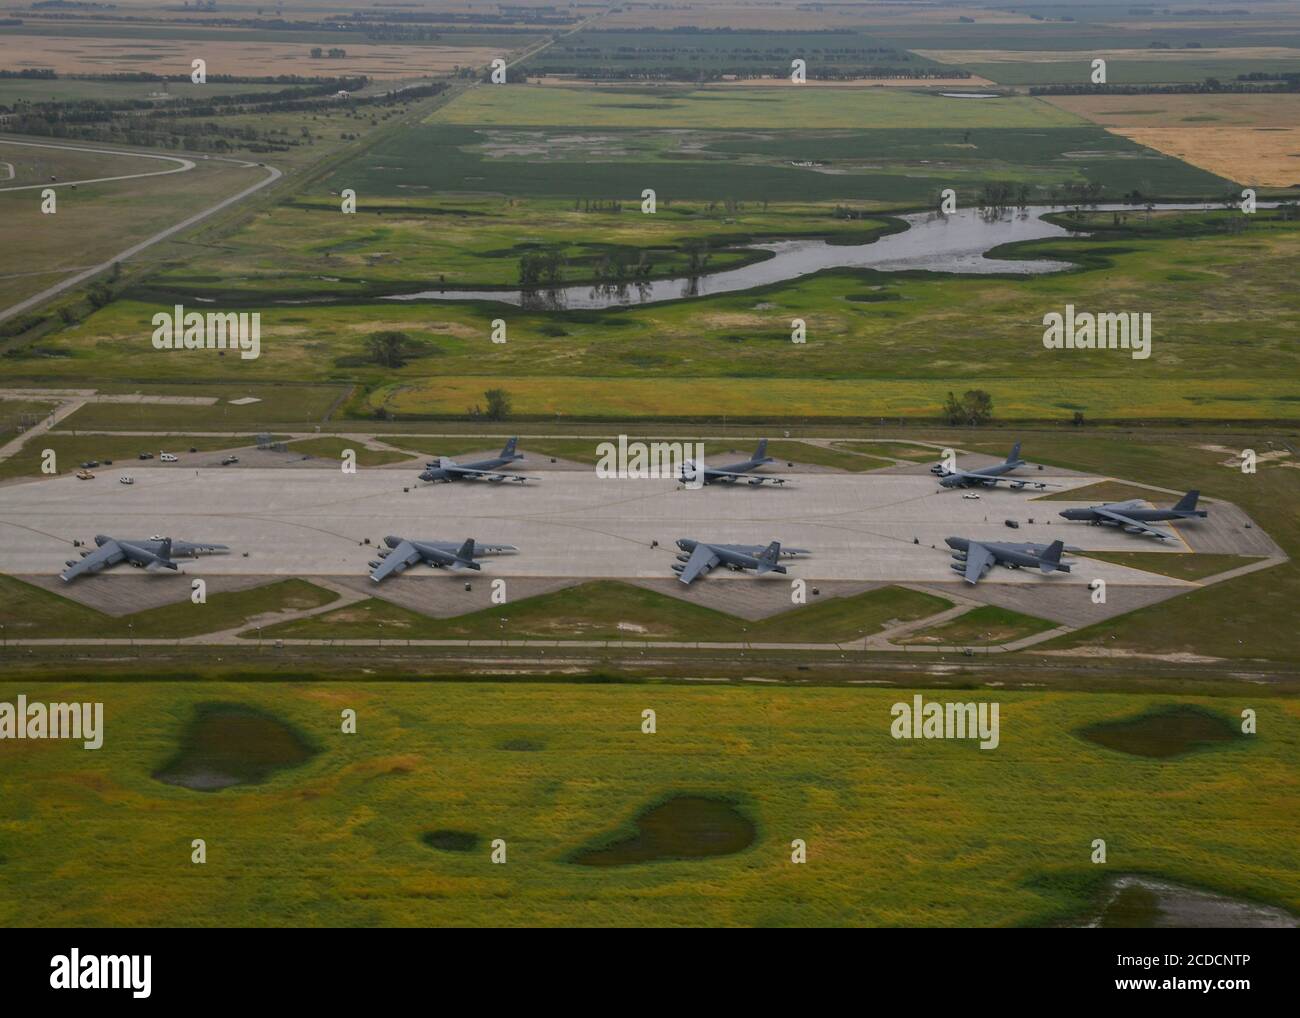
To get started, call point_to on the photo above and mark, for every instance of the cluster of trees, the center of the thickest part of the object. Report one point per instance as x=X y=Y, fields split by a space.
x=498 y=405
x=1243 y=84
x=541 y=267
x=974 y=408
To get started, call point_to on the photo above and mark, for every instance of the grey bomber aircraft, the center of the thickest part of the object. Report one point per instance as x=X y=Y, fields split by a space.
x=1133 y=518
x=976 y=558
x=447 y=469
x=402 y=552
x=156 y=552
x=701 y=557
x=987 y=477
x=735 y=471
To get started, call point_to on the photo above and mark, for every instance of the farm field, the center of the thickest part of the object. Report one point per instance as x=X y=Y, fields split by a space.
x=1126 y=67
x=96 y=221
x=727 y=109
x=895 y=165
x=339 y=838
x=240 y=53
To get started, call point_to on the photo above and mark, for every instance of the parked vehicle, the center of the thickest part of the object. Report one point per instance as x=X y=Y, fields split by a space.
x=85 y=475
x=167 y=457
x=126 y=479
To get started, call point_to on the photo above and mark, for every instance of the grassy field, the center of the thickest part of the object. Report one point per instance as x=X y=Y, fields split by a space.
x=987 y=625
x=723 y=109
x=1206 y=289
x=1183 y=567
x=799 y=163
x=70 y=451
x=609 y=610
x=29 y=611
x=332 y=448
x=899 y=833
x=1132 y=67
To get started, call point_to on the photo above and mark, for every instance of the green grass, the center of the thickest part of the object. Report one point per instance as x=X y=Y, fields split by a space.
x=31 y=612
x=332 y=448
x=883 y=164
x=70 y=451
x=278 y=405
x=609 y=610
x=987 y=625
x=1107 y=491
x=731 y=354
x=844 y=619
x=928 y=833
x=1180 y=566
x=891 y=450
x=603 y=610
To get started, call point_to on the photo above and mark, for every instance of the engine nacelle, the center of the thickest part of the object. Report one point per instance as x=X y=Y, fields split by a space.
x=683 y=558
x=679 y=569
x=374 y=564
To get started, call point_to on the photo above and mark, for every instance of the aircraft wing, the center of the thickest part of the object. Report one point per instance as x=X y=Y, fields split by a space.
x=405 y=554
x=702 y=558
x=495 y=475
x=106 y=554
x=1130 y=524
x=734 y=475
x=979 y=560
x=196 y=547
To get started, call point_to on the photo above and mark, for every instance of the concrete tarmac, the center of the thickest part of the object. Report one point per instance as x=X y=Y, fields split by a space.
x=298 y=521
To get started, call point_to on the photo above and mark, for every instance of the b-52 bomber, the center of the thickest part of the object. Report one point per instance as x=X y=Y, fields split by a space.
x=156 y=552
x=1133 y=518
x=700 y=557
x=735 y=471
x=987 y=477
x=976 y=558
x=447 y=469
x=403 y=552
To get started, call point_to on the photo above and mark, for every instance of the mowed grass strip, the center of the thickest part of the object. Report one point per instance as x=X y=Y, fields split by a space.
x=70 y=451
x=1181 y=566
x=987 y=625
x=329 y=447
x=31 y=612
x=931 y=833
x=610 y=610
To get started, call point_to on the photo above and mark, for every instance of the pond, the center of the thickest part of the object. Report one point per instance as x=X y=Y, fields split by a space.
x=932 y=242
x=683 y=827
x=228 y=745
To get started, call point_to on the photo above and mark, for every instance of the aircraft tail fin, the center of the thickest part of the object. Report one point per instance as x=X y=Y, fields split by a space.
x=1187 y=503
x=1051 y=558
x=760 y=453
x=769 y=557
x=165 y=549
x=509 y=449
x=466 y=552
x=1015 y=453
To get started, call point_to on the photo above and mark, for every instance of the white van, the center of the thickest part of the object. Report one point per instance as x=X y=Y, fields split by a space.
x=167 y=457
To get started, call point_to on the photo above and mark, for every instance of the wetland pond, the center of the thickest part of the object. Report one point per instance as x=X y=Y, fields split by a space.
x=228 y=745
x=1137 y=902
x=959 y=243
x=1170 y=731
x=683 y=827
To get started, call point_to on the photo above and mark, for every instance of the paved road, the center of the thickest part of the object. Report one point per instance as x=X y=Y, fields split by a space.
x=183 y=166
x=272 y=176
